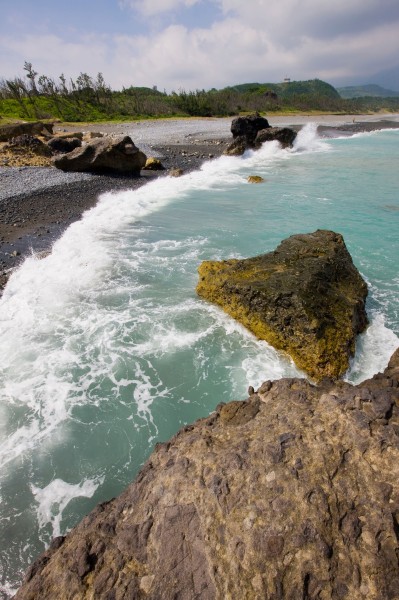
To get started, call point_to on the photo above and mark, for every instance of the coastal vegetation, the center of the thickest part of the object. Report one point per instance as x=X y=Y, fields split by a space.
x=90 y=98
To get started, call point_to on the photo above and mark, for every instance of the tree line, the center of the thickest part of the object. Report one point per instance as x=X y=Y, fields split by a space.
x=89 y=98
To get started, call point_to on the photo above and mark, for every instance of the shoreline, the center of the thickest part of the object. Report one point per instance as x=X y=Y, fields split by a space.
x=31 y=221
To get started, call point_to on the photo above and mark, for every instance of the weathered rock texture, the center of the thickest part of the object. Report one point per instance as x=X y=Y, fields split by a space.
x=248 y=126
x=291 y=494
x=306 y=298
x=104 y=155
x=64 y=144
x=15 y=129
x=251 y=131
x=284 y=135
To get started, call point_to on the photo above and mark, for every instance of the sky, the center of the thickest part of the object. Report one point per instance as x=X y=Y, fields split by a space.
x=200 y=44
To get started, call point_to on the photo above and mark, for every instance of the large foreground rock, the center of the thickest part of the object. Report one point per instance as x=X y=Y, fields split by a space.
x=306 y=298
x=292 y=494
x=104 y=155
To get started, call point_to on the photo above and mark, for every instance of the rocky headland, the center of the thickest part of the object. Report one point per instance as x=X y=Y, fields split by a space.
x=290 y=494
x=305 y=298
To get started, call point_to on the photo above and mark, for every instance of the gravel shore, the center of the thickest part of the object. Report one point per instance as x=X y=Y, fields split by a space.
x=38 y=203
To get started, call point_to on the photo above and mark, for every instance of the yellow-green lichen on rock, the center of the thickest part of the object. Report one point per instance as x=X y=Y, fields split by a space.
x=305 y=298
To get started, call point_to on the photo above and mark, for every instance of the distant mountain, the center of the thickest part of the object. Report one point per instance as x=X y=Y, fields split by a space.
x=362 y=91
x=389 y=78
x=286 y=89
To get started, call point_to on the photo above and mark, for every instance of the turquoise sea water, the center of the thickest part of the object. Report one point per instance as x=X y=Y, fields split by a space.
x=105 y=348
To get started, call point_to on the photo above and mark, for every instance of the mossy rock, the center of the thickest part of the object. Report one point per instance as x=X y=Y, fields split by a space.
x=305 y=298
x=153 y=164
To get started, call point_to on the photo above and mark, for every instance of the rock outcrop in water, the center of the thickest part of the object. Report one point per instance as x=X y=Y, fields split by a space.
x=252 y=130
x=305 y=298
x=104 y=155
x=291 y=494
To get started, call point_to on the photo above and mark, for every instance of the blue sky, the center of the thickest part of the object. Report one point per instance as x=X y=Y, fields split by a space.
x=192 y=44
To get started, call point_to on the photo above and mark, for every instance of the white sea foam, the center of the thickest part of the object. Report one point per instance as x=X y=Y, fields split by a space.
x=53 y=499
x=374 y=349
x=308 y=140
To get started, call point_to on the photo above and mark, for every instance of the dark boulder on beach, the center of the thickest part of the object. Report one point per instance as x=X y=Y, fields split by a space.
x=104 y=155
x=251 y=131
x=290 y=494
x=248 y=126
x=305 y=298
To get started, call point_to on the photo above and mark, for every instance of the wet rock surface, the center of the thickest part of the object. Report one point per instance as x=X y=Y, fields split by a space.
x=248 y=126
x=306 y=298
x=284 y=135
x=251 y=131
x=292 y=493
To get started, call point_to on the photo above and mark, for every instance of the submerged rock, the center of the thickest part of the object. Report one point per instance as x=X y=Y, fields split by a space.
x=291 y=494
x=305 y=298
x=255 y=179
x=104 y=155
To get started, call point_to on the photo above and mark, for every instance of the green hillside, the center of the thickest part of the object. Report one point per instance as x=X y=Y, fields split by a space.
x=312 y=87
x=366 y=91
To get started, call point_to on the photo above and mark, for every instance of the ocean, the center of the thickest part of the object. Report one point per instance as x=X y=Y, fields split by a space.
x=105 y=349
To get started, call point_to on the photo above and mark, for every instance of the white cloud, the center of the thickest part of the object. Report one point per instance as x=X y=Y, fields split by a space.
x=256 y=41
x=149 y=8
x=290 y=20
x=52 y=55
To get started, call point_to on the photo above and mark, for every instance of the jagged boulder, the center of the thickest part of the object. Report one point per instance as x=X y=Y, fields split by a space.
x=284 y=135
x=305 y=298
x=104 y=155
x=248 y=126
x=291 y=494
x=251 y=131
